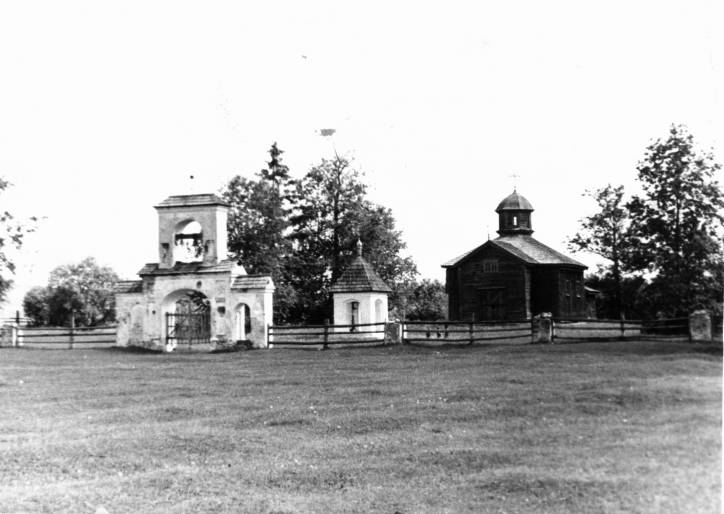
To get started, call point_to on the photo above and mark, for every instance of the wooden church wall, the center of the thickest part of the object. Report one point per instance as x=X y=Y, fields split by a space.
x=478 y=285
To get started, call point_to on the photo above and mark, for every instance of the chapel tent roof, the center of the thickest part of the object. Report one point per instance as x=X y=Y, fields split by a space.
x=181 y=268
x=359 y=277
x=191 y=201
x=525 y=248
x=514 y=202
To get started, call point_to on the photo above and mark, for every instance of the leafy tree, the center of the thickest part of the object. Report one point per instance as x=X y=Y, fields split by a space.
x=606 y=233
x=304 y=232
x=36 y=305
x=330 y=214
x=12 y=233
x=84 y=289
x=258 y=223
x=420 y=301
x=677 y=225
x=633 y=289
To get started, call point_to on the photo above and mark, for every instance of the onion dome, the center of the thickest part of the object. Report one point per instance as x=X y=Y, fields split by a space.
x=514 y=202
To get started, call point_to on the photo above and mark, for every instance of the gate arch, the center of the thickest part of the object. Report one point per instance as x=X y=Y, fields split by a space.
x=187 y=317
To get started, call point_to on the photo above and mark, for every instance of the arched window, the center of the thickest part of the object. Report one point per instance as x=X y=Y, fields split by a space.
x=353 y=315
x=379 y=315
x=242 y=322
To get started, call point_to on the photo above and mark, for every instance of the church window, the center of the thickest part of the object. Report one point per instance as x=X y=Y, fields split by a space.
x=515 y=221
x=490 y=266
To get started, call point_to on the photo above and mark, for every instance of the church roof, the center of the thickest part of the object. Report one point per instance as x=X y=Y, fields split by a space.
x=181 y=268
x=525 y=248
x=191 y=201
x=358 y=277
x=128 y=286
x=514 y=202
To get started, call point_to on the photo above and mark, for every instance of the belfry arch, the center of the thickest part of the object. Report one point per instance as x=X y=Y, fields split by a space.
x=188 y=241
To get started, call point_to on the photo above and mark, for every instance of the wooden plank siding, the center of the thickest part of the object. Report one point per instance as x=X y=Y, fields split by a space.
x=527 y=290
x=472 y=280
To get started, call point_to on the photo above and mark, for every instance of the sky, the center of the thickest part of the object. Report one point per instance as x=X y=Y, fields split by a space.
x=106 y=108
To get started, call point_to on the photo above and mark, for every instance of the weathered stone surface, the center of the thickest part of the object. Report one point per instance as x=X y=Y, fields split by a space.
x=700 y=326
x=393 y=333
x=543 y=328
x=9 y=335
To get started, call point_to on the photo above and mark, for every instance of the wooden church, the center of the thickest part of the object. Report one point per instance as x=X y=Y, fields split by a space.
x=514 y=276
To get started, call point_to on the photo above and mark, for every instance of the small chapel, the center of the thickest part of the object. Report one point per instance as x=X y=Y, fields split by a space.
x=515 y=276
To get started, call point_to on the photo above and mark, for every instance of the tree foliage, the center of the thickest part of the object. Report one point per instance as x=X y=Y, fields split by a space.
x=606 y=233
x=258 y=224
x=84 y=290
x=424 y=300
x=664 y=245
x=303 y=232
x=12 y=233
x=677 y=224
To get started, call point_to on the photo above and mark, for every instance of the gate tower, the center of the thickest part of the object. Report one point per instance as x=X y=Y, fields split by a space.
x=194 y=294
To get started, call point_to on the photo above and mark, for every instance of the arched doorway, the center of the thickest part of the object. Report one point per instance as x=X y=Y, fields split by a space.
x=187 y=317
x=242 y=322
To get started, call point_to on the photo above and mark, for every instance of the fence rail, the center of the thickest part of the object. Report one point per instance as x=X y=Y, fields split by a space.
x=603 y=329
x=65 y=337
x=461 y=332
x=324 y=336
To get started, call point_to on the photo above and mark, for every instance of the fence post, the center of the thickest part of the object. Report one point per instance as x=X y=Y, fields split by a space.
x=72 y=327
x=623 y=327
x=326 y=334
x=532 y=329
x=471 y=332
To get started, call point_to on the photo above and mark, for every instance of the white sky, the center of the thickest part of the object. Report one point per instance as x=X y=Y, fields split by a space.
x=107 y=107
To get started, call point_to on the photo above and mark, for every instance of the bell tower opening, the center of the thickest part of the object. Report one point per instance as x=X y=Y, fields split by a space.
x=514 y=216
x=188 y=242
x=192 y=228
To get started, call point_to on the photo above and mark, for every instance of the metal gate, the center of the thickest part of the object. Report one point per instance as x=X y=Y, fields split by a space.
x=188 y=327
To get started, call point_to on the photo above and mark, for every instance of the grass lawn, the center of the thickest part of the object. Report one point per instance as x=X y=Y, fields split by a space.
x=596 y=427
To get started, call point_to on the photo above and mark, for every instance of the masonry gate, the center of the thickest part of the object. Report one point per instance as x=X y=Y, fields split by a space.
x=188 y=328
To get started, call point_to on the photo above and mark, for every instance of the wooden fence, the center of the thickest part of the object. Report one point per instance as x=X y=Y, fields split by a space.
x=65 y=337
x=324 y=336
x=462 y=332
x=607 y=329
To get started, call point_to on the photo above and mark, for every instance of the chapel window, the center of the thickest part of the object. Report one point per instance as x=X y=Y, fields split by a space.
x=353 y=315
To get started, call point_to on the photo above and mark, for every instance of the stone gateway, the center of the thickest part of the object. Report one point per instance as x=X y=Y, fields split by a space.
x=193 y=294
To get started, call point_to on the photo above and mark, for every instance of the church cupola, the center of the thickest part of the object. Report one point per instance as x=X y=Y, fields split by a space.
x=514 y=216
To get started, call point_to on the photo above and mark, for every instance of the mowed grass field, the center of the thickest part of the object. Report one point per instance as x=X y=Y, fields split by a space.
x=596 y=427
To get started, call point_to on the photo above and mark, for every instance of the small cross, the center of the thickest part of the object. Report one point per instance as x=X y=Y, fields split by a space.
x=514 y=176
